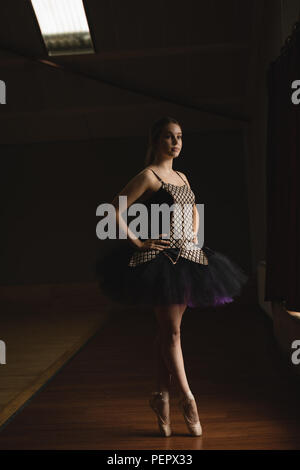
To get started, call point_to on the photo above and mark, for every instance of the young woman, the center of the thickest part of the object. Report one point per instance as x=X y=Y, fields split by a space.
x=168 y=274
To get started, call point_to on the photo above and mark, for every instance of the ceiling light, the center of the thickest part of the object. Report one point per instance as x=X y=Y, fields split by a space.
x=64 y=26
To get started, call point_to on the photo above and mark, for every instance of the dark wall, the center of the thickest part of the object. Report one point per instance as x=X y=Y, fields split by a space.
x=51 y=190
x=215 y=166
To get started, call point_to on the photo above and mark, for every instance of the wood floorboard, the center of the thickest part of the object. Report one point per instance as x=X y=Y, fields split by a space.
x=247 y=396
x=43 y=326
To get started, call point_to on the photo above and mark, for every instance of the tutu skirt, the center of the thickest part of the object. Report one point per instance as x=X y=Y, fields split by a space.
x=160 y=282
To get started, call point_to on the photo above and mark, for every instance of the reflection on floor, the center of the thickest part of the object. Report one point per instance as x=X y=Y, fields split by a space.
x=42 y=327
x=247 y=398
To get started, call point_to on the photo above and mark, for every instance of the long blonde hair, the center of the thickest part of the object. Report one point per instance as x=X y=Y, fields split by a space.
x=154 y=135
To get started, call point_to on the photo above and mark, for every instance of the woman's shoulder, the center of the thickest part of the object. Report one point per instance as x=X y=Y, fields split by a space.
x=143 y=177
x=144 y=182
x=147 y=175
x=147 y=171
x=184 y=177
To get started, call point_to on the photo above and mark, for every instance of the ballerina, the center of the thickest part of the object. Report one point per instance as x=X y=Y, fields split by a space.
x=168 y=274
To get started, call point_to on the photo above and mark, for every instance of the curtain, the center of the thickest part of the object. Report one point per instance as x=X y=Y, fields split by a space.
x=283 y=178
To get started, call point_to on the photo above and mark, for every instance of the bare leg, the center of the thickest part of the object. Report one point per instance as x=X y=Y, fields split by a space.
x=169 y=321
x=163 y=376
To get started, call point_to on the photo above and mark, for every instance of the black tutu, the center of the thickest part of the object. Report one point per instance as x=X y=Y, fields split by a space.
x=160 y=282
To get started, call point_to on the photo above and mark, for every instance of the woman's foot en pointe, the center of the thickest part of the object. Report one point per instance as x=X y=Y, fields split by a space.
x=187 y=405
x=159 y=402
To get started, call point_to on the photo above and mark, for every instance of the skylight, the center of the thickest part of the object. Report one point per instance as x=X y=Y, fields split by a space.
x=64 y=26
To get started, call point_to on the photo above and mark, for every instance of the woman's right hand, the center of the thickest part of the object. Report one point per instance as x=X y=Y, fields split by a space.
x=155 y=244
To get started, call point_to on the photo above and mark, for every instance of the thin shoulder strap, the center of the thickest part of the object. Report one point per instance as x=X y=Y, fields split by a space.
x=156 y=175
x=180 y=176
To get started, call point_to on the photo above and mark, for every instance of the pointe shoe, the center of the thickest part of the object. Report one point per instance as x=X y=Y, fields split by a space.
x=155 y=401
x=194 y=428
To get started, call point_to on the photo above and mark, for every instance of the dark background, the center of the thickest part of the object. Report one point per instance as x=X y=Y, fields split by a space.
x=52 y=191
x=74 y=129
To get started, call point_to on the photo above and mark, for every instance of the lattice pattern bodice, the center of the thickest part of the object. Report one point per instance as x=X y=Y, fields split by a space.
x=181 y=228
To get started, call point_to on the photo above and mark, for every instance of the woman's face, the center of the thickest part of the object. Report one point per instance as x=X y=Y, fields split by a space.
x=171 y=140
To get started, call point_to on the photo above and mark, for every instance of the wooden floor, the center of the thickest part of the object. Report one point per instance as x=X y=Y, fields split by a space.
x=42 y=327
x=247 y=397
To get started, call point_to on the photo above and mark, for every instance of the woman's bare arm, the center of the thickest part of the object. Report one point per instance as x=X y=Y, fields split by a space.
x=134 y=189
x=195 y=223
